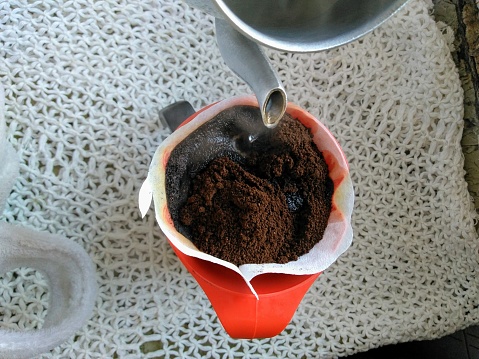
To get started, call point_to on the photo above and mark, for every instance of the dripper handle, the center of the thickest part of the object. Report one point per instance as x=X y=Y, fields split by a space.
x=249 y=62
x=172 y=116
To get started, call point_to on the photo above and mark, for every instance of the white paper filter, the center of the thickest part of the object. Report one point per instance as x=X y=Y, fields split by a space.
x=337 y=237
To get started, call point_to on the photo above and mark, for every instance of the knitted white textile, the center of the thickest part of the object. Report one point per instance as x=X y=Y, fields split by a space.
x=83 y=83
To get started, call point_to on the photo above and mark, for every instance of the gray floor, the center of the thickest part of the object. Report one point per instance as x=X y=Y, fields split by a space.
x=461 y=345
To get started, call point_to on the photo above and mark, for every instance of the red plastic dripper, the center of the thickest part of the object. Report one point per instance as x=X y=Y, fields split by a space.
x=242 y=315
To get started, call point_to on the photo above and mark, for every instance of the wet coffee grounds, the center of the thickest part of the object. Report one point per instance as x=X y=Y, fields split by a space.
x=267 y=201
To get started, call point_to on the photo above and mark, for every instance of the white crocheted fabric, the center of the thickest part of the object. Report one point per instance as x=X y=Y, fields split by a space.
x=84 y=81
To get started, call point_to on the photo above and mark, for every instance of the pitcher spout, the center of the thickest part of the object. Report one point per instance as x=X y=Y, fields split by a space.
x=249 y=62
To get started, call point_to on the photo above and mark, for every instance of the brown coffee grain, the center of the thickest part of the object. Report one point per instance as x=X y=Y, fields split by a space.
x=272 y=207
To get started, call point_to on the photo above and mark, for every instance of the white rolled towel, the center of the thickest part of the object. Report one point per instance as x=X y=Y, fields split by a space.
x=68 y=269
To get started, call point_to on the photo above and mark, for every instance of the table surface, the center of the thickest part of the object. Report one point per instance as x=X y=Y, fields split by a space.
x=463 y=18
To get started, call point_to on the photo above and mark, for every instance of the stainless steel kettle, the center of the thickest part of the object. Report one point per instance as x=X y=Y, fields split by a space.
x=287 y=25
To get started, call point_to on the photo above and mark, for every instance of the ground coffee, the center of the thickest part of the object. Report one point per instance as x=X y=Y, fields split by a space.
x=260 y=196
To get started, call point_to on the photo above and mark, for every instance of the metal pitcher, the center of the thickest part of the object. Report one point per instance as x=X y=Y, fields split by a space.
x=287 y=25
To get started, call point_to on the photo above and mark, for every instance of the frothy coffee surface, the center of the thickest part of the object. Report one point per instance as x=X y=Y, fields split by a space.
x=247 y=194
